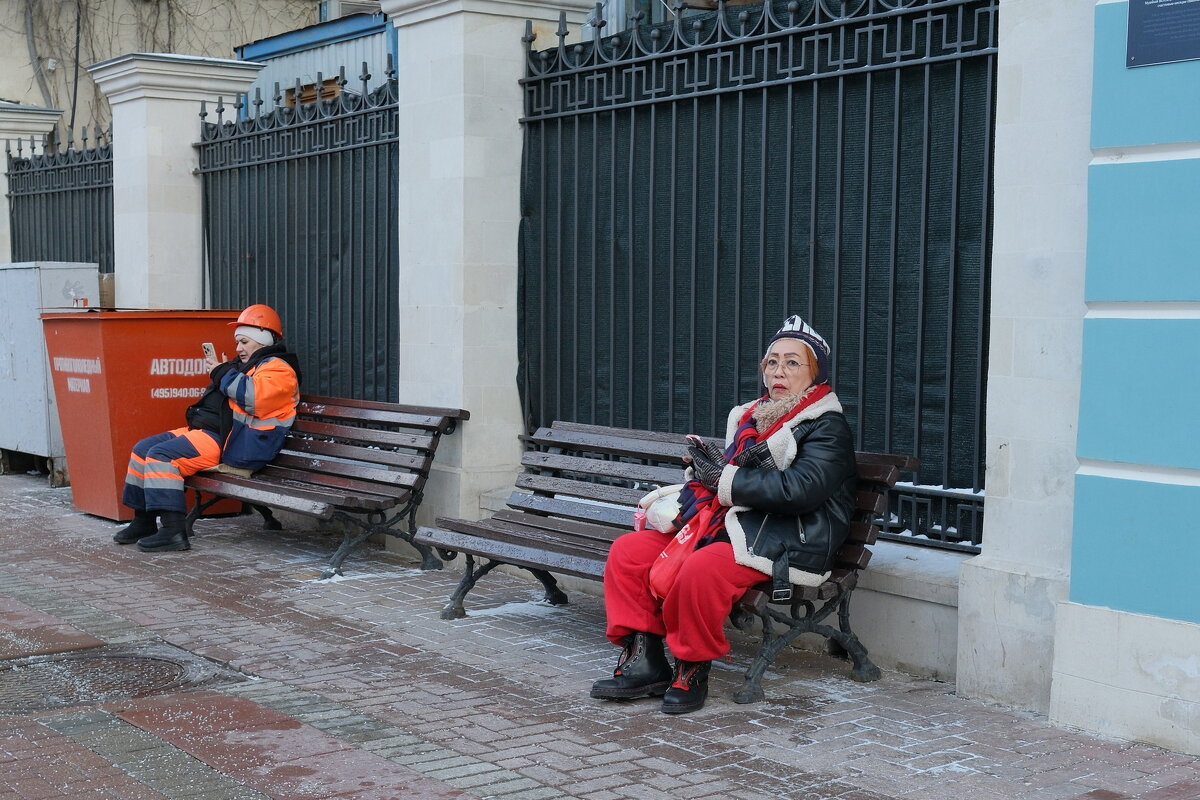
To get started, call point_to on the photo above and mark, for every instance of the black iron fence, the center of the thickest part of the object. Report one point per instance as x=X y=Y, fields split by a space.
x=687 y=186
x=300 y=212
x=60 y=200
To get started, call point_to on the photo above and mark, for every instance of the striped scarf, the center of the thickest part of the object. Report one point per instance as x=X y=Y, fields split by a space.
x=701 y=505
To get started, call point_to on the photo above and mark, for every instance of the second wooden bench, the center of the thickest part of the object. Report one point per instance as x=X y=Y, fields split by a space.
x=577 y=493
x=360 y=462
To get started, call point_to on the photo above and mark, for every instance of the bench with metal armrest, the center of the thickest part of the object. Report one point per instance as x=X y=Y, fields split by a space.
x=360 y=462
x=578 y=492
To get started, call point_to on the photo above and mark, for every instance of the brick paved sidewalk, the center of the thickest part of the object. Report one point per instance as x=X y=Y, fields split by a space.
x=356 y=688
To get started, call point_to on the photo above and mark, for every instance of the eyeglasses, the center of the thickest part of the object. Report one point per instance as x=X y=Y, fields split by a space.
x=790 y=365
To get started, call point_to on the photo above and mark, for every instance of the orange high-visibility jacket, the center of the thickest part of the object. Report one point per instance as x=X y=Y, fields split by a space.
x=263 y=401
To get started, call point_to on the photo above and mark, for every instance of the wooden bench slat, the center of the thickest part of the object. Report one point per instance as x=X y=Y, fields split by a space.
x=856 y=555
x=423 y=442
x=883 y=474
x=630 y=433
x=661 y=476
x=354 y=452
x=901 y=462
x=367 y=415
x=287 y=488
x=531 y=558
x=261 y=494
x=572 y=509
x=345 y=469
x=594 y=491
x=862 y=532
x=455 y=414
x=350 y=491
x=588 y=529
x=872 y=502
x=611 y=445
x=493 y=530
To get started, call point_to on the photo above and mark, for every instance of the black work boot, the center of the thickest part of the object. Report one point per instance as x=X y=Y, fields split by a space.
x=642 y=670
x=171 y=536
x=143 y=525
x=689 y=688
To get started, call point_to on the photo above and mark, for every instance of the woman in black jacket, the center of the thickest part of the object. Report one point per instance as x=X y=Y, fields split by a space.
x=774 y=505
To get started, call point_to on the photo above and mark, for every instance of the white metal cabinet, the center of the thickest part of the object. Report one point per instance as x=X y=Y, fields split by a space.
x=28 y=415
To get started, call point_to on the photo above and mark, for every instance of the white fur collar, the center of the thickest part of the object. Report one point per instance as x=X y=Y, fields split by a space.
x=782 y=443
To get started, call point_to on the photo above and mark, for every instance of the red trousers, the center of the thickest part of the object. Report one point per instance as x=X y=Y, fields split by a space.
x=693 y=615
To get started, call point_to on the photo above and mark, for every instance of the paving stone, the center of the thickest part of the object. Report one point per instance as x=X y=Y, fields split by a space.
x=361 y=673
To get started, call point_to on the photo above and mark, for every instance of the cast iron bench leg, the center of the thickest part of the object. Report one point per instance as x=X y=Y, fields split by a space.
x=428 y=559
x=772 y=644
x=864 y=670
x=349 y=542
x=269 y=521
x=554 y=595
x=454 y=609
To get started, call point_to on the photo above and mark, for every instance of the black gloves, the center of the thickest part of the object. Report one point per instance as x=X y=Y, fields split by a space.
x=756 y=457
x=707 y=462
x=708 y=473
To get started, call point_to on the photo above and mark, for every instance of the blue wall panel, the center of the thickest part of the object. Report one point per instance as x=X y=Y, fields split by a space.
x=1140 y=392
x=1144 y=230
x=1134 y=549
x=1144 y=105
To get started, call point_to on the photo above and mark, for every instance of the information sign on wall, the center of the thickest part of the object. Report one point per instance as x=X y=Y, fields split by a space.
x=1162 y=31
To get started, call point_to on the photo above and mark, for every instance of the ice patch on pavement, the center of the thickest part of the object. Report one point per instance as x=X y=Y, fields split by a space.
x=536 y=608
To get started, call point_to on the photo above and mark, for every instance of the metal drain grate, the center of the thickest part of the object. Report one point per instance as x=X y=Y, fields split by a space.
x=104 y=674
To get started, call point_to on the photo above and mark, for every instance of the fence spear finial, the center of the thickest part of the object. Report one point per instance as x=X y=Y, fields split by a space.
x=598 y=21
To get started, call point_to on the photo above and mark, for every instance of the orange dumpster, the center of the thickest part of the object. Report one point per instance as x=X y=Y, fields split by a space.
x=120 y=376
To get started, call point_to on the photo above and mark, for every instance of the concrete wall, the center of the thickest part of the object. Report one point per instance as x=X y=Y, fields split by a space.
x=1008 y=595
x=460 y=136
x=41 y=37
x=1125 y=658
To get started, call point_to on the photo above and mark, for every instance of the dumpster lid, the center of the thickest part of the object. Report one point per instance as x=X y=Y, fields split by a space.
x=64 y=312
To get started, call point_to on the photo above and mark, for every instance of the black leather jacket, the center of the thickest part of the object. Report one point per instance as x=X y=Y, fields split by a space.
x=797 y=516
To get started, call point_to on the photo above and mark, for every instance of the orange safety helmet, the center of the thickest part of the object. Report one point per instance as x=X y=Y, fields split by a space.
x=261 y=316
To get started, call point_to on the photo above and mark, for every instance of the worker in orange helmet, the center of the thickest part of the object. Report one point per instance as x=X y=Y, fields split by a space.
x=241 y=420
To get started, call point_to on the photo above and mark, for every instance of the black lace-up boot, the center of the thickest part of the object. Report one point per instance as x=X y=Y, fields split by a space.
x=689 y=687
x=642 y=670
x=143 y=525
x=171 y=536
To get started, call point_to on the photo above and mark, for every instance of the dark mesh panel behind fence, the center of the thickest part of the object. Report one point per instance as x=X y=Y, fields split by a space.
x=688 y=186
x=301 y=213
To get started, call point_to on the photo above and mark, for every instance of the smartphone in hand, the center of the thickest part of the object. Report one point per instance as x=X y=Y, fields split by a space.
x=210 y=352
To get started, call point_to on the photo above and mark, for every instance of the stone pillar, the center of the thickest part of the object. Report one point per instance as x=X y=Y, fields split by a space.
x=155 y=100
x=1008 y=595
x=460 y=159
x=19 y=122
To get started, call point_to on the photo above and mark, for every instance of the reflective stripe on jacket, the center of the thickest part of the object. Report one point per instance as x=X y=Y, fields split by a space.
x=263 y=401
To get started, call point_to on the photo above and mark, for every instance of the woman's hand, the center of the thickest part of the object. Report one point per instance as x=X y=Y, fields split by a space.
x=756 y=457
